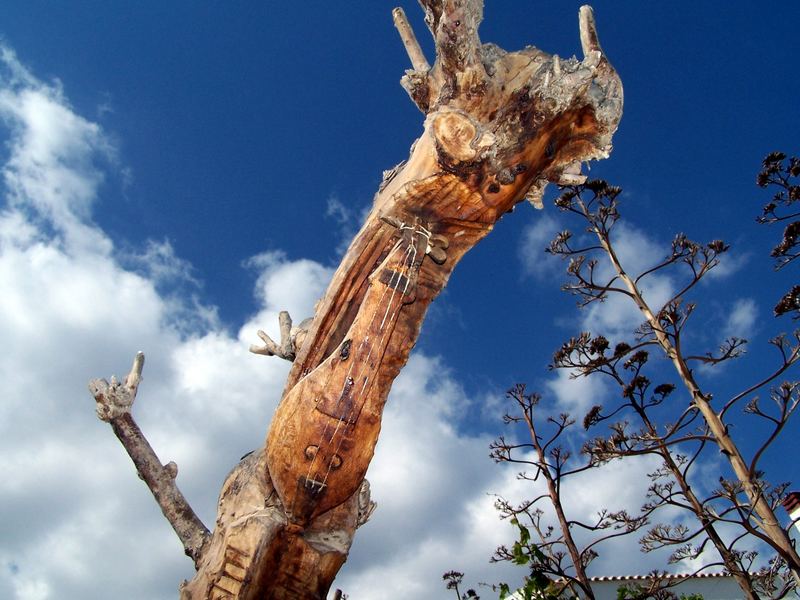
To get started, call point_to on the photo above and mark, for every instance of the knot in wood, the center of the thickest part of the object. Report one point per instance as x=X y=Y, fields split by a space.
x=454 y=133
x=295 y=529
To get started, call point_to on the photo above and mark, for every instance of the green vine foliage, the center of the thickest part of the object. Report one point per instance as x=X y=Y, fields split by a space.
x=536 y=585
x=639 y=593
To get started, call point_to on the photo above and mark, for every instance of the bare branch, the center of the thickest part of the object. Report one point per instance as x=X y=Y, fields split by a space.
x=729 y=349
x=270 y=348
x=415 y=54
x=292 y=339
x=114 y=404
x=588 y=30
x=287 y=345
x=786 y=398
x=454 y=25
x=790 y=355
x=665 y=327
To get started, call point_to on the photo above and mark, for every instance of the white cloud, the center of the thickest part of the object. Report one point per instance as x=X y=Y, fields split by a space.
x=84 y=525
x=535 y=238
x=738 y=319
x=617 y=317
x=741 y=319
x=51 y=170
x=277 y=288
x=636 y=251
x=730 y=263
x=159 y=263
x=576 y=395
x=347 y=219
x=337 y=211
x=81 y=524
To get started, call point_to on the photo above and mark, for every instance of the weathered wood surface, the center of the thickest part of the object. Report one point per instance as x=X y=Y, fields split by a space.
x=114 y=402
x=247 y=558
x=498 y=127
x=335 y=441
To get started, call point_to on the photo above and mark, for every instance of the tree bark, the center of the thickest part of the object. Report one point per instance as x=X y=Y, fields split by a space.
x=498 y=126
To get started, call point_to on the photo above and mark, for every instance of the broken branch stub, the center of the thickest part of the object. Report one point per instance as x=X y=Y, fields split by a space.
x=291 y=338
x=116 y=399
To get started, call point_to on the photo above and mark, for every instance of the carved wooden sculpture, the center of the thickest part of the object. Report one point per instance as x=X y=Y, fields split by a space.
x=498 y=127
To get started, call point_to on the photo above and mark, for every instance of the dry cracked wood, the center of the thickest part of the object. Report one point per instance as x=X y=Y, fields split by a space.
x=498 y=127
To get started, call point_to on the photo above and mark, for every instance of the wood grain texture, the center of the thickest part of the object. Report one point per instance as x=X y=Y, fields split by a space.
x=498 y=127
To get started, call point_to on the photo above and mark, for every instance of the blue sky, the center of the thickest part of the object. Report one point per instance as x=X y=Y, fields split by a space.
x=176 y=173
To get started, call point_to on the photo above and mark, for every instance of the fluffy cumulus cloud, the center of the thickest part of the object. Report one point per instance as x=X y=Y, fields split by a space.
x=616 y=318
x=536 y=237
x=78 y=523
x=81 y=524
x=576 y=395
x=742 y=319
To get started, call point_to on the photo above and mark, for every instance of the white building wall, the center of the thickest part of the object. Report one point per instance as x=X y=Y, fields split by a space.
x=711 y=588
x=722 y=587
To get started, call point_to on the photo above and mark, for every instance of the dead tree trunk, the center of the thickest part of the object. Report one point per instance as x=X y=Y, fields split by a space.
x=498 y=126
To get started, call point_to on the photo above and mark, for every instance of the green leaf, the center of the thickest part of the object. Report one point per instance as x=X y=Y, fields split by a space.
x=524 y=534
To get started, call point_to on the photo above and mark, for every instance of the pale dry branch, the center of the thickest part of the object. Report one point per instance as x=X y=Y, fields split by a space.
x=269 y=348
x=588 y=31
x=114 y=403
x=415 y=54
x=292 y=339
x=456 y=36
